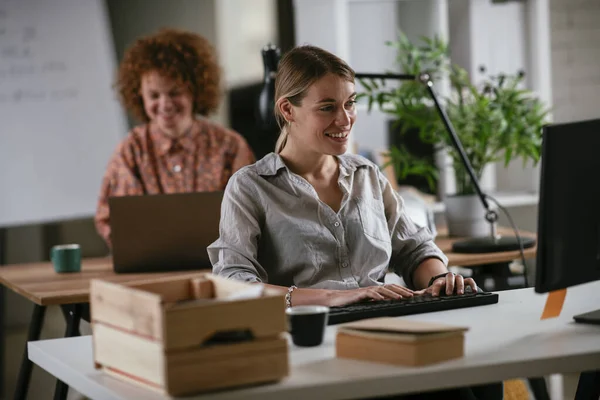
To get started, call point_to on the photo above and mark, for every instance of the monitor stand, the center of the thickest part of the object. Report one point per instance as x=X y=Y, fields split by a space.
x=592 y=317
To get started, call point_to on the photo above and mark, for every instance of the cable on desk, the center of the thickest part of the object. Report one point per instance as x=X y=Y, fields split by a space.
x=516 y=231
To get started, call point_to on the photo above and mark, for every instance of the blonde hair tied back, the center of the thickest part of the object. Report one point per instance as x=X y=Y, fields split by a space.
x=281 y=140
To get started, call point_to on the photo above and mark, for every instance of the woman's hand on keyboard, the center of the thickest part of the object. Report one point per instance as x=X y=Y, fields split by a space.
x=450 y=284
x=383 y=292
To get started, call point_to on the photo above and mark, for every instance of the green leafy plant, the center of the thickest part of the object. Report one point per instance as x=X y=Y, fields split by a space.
x=495 y=120
x=406 y=164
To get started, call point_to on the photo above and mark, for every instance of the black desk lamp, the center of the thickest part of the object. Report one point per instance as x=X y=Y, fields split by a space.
x=486 y=244
x=266 y=101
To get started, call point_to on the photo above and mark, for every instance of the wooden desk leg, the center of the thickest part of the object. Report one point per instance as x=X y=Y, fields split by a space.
x=35 y=328
x=72 y=317
x=588 y=387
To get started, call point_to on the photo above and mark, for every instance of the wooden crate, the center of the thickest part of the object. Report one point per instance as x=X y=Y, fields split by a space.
x=161 y=334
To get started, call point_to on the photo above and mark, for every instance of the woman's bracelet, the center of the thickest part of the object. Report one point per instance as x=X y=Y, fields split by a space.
x=288 y=296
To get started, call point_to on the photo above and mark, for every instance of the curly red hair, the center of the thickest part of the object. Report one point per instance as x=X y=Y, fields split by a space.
x=187 y=58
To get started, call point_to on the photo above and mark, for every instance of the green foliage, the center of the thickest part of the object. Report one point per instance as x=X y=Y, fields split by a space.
x=495 y=120
x=406 y=163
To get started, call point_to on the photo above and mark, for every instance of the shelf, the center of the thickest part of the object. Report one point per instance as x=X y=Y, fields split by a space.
x=375 y=1
x=506 y=199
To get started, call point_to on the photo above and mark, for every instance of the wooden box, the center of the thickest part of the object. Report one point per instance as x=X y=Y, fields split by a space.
x=189 y=334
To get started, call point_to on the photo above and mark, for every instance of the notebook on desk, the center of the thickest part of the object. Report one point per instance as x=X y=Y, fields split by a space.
x=166 y=232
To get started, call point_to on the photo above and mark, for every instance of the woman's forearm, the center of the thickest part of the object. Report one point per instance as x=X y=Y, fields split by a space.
x=336 y=298
x=306 y=296
x=427 y=270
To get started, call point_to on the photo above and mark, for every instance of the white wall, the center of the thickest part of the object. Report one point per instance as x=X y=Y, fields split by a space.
x=460 y=33
x=243 y=29
x=575 y=44
x=423 y=18
x=498 y=37
x=134 y=18
x=484 y=33
x=372 y=24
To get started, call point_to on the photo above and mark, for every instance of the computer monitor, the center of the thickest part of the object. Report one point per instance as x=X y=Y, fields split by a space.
x=568 y=251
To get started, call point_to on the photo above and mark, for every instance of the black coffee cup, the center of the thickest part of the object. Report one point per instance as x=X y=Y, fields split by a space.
x=307 y=324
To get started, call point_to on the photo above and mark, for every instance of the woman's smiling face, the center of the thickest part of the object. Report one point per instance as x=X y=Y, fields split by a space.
x=323 y=121
x=167 y=104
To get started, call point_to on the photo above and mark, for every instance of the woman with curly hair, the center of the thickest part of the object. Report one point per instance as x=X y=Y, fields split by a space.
x=170 y=81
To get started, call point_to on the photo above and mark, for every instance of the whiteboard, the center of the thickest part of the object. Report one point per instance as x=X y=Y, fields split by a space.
x=60 y=119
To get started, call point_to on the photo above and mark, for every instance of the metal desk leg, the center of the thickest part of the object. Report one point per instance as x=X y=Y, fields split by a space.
x=2 y=339
x=67 y=311
x=73 y=317
x=2 y=315
x=35 y=328
x=539 y=388
x=589 y=386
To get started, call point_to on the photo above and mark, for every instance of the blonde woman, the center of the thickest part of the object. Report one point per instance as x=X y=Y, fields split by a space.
x=320 y=224
x=313 y=217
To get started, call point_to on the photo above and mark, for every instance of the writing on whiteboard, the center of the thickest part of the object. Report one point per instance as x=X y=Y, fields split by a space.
x=27 y=74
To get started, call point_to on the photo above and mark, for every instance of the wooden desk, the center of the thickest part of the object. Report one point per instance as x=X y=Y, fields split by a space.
x=465 y=260
x=39 y=283
x=42 y=285
x=505 y=341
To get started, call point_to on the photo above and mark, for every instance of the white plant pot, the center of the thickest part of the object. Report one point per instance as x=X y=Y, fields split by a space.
x=465 y=216
x=447 y=176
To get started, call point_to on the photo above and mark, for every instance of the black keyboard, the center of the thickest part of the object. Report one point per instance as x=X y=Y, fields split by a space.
x=408 y=306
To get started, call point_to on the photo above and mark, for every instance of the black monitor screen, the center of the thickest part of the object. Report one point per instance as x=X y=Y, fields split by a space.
x=569 y=212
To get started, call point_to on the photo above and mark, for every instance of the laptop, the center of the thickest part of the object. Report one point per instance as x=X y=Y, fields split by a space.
x=163 y=232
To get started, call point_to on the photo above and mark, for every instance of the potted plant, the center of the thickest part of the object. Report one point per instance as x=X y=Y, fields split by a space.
x=495 y=120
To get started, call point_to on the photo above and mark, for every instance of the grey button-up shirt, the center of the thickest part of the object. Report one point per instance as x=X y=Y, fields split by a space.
x=274 y=229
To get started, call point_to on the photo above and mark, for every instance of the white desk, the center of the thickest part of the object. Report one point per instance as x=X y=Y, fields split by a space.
x=506 y=340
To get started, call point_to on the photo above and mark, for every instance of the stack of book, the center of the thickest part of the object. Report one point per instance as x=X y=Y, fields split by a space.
x=400 y=341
